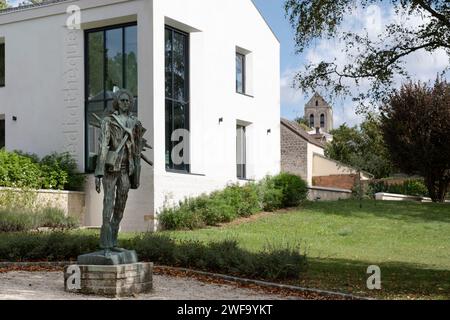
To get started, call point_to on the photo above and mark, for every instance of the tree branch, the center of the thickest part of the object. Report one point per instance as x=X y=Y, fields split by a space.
x=433 y=12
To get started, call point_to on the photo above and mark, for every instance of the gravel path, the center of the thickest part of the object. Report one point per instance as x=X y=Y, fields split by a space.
x=50 y=286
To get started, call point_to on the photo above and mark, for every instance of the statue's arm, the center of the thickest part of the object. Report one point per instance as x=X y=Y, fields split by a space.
x=105 y=135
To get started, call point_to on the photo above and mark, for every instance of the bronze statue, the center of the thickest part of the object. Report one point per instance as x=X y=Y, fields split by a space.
x=121 y=144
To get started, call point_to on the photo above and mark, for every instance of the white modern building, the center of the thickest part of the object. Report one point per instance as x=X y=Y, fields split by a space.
x=208 y=66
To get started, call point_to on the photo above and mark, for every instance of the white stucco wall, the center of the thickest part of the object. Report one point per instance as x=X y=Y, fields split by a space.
x=45 y=91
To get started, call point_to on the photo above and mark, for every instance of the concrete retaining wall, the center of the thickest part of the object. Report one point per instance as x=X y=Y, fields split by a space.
x=328 y=194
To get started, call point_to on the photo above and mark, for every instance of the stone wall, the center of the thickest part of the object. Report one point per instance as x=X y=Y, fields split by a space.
x=343 y=181
x=328 y=194
x=294 y=153
x=70 y=202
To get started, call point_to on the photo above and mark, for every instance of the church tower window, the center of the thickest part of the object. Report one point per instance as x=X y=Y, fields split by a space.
x=322 y=120
x=311 y=121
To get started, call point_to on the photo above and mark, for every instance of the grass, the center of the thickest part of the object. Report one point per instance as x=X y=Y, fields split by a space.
x=409 y=241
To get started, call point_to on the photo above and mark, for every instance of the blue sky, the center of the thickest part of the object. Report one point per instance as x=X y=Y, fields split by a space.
x=421 y=65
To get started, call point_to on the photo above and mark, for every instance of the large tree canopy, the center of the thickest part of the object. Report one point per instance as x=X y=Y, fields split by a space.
x=376 y=61
x=416 y=129
x=361 y=147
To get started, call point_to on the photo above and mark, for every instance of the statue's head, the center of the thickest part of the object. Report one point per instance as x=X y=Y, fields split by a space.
x=123 y=101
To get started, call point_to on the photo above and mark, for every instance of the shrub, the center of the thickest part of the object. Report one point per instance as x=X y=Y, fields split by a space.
x=180 y=218
x=56 y=171
x=411 y=187
x=294 y=189
x=20 y=221
x=271 y=197
x=243 y=199
x=64 y=167
x=18 y=171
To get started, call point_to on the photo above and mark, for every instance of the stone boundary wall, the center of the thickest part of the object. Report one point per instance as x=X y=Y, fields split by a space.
x=70 y=202
x=328 y=194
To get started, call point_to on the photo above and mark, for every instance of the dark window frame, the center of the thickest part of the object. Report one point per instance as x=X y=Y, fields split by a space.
x=312 y=121
x=242 y=166
x=184 y=168
x=322 y=120
x=86 y=79
x=244 y=63
x=3 y=64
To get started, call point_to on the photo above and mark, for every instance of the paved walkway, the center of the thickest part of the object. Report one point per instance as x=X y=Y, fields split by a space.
x=50 y=286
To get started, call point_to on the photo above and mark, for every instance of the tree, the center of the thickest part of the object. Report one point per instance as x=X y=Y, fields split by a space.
x=3 y=4
x=361 y=147
x=303 y=122
x=416 y=128
x=375 y=61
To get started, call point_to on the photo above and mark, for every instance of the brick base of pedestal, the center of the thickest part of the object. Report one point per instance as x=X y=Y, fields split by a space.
x=111 y=281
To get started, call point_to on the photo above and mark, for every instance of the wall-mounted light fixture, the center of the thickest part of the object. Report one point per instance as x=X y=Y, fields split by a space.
x=269 y=131
x=14 y=118
x=220 y=120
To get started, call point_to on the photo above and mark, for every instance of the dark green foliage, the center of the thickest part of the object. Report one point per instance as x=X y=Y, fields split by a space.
x=416 y=128
x=361 y=147
x=272 y=193
x=56 y=171
x=293 y=188
x=64 y=166
x=408 y=187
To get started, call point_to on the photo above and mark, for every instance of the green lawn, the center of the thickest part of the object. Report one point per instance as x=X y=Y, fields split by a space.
x=409 y=241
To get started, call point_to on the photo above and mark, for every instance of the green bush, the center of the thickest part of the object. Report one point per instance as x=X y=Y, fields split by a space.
x=244 y=200
x=56 y=171
x=18 y=171
x=271 y=197
x=20 y=221
x=411 y=187
x=294 y=189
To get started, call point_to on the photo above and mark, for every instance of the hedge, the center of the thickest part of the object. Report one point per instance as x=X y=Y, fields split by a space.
x=272 y=193
x=273 y=263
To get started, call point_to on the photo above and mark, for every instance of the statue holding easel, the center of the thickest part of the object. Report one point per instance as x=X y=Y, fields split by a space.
x=118 y=169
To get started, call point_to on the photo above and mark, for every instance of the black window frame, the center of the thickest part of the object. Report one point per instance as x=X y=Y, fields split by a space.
x=3 y=64
x=244 y=62
x=312 y=120
x=242 y=167
x=322 y=120
x=171 y=167
x=86 y=80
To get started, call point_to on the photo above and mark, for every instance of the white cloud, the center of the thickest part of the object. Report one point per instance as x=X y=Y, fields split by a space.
x=421 y=65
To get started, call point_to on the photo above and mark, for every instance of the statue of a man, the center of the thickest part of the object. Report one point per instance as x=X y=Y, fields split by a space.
x=118 y=165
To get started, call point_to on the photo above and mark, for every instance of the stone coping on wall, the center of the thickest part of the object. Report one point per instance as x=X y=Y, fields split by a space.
x=330 y=189
x=44 y=191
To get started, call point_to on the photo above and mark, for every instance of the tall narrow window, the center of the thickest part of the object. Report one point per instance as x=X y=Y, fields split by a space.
x=177 y=95
x=2 y=131
x=111 y=64
x=311 y=121
x=240 y=73
x=241 y=154
x=322 y=120
x=2 y=64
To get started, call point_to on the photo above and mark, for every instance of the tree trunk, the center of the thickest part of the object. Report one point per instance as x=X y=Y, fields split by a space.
x=437 y=188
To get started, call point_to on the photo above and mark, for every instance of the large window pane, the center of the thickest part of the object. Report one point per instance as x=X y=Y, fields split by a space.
x=241 y=160
x=179 y=66
x=114 y=56
x=240 y=70
x=131 y=71
x=2 y=64
x=111 y=62
x=168 y=63
x=96 y=66
x=177 y=91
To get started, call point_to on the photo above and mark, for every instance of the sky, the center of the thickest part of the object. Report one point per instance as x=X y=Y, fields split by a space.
x=421 y=65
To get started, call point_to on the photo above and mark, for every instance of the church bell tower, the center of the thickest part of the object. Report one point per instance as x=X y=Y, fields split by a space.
x=319 y=113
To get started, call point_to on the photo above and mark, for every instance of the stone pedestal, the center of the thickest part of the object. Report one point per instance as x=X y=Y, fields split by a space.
x=111 y=281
